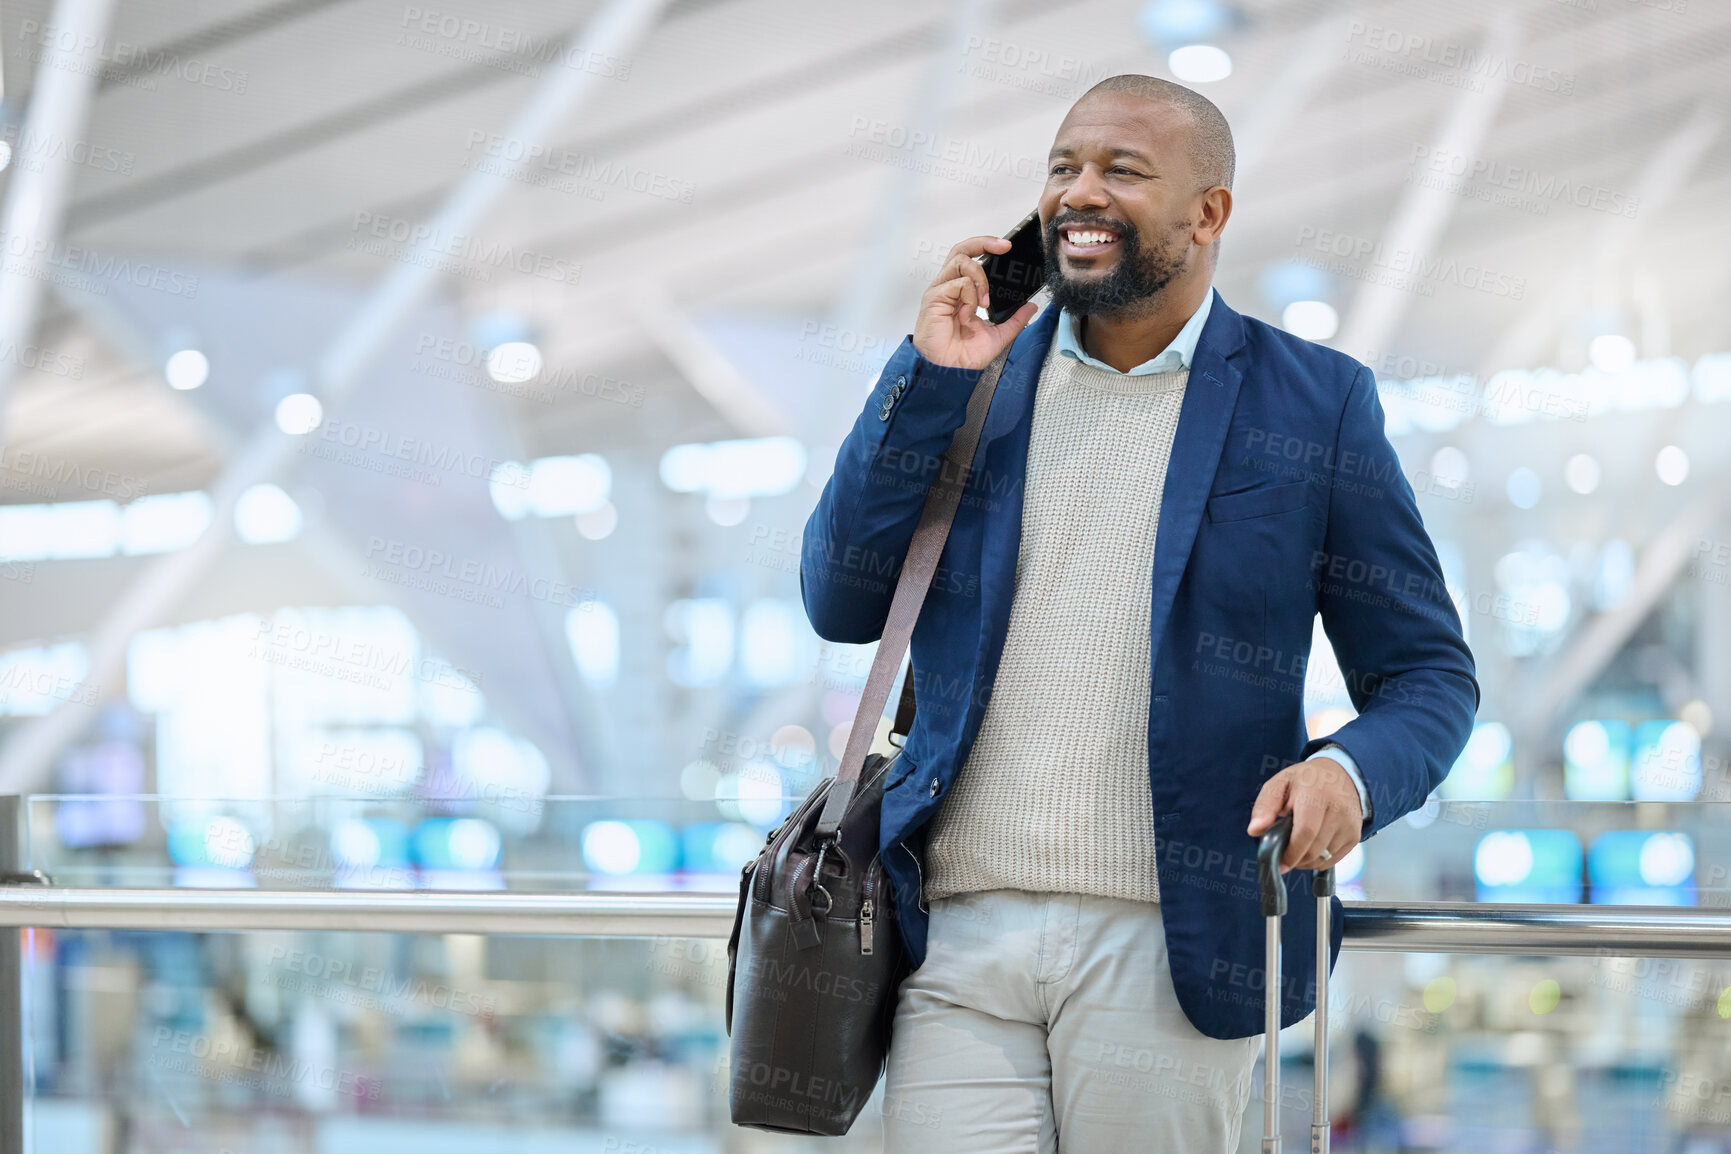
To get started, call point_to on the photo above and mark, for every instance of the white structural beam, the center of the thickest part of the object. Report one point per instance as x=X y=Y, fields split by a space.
x=1309 y=62
x=706 y=368
x=1424 y=212
x=614 y=32
x=66 y=74
x=864 y=291
x=1604 y=636
x=1600 y=640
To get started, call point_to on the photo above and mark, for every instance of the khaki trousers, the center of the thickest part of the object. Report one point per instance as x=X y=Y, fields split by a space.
x=1047 y=1022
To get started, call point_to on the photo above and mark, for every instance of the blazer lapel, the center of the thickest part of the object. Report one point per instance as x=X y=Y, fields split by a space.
x=1014 y=399
x=1210 y=396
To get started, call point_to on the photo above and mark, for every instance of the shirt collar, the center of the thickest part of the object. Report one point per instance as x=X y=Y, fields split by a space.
x=1173 y=357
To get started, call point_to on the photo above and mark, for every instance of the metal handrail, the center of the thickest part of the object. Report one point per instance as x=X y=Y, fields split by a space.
x=1416 y=927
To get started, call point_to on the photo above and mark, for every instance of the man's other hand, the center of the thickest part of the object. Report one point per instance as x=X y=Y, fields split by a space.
x=1325 y=812
x=947 y=330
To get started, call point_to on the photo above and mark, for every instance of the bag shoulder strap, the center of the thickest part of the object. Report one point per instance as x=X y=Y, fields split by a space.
x=905 y=709
x=924 y=549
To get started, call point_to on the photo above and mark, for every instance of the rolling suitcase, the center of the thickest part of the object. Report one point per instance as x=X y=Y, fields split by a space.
x=1268 y=855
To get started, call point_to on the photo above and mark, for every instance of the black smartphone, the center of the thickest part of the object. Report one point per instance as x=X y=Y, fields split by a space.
x=1015 y=276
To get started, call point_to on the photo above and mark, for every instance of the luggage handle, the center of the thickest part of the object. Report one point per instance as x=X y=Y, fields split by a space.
x=1268 y=855
x=1272 y=885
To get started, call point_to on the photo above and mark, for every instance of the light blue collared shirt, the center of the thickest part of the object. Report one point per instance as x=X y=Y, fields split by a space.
x=1175 y=356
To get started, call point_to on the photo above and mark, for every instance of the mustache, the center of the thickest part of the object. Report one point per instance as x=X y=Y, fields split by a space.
x=1076 y=220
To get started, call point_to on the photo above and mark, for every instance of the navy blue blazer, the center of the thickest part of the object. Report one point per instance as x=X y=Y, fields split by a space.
x=1283 y=500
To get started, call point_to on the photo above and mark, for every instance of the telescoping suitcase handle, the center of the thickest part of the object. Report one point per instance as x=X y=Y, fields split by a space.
x=1268 y=855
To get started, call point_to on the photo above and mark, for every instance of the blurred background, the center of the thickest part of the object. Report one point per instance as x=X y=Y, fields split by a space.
x=408 y=419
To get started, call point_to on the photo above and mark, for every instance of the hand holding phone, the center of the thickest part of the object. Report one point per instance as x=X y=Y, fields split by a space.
x=948 y=330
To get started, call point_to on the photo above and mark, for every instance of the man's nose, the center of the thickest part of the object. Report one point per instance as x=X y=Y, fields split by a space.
x=1087 y=191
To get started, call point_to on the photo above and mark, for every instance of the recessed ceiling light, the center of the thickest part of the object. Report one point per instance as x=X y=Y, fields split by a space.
x=1200 y=63
x=187 y=369
x=1611 y=352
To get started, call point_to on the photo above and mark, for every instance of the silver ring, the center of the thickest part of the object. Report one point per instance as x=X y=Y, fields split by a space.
x=1326 y=856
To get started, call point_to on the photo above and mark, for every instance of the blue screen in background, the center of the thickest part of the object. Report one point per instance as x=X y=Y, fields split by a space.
x=1528 y=865
x=1640 y=868
x=1596 y=761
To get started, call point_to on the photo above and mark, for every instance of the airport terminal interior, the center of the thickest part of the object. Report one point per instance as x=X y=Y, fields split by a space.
x=409 y=417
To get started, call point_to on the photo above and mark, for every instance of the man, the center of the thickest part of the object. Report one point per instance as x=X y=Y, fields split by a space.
x=1109 y=668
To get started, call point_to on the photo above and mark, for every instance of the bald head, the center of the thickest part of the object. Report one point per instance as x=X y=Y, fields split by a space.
x=1210 y=137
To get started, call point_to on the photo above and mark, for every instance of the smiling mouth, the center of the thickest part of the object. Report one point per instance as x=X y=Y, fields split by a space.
x=1086 y=242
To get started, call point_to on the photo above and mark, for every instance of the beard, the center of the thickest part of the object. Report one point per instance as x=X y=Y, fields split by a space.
x=1135 y=280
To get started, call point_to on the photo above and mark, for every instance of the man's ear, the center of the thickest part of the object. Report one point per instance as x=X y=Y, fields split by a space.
x=1214 y=209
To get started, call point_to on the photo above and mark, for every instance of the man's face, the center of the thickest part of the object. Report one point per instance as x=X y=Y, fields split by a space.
x=1119 y=205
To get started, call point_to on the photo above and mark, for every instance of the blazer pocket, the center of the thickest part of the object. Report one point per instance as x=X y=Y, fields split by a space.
x=1264 y=501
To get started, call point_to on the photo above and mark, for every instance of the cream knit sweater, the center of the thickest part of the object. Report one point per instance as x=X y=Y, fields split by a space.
x=1054 y=795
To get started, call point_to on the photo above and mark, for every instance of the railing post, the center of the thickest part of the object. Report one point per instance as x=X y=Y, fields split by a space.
x=11 y=992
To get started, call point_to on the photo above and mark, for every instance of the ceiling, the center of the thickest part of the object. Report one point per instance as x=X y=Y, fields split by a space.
x=718 y=188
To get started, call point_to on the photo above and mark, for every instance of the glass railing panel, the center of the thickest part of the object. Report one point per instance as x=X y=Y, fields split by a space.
x=1613 y=853
x=360 y=842
x=335 y=1041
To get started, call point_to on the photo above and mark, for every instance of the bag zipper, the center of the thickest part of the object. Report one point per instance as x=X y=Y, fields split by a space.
x=868 y=907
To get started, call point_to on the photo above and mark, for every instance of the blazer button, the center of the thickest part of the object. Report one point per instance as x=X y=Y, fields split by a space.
x=934 y=789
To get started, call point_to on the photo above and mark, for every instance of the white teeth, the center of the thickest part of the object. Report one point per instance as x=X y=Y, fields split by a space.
x=1086 y=238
